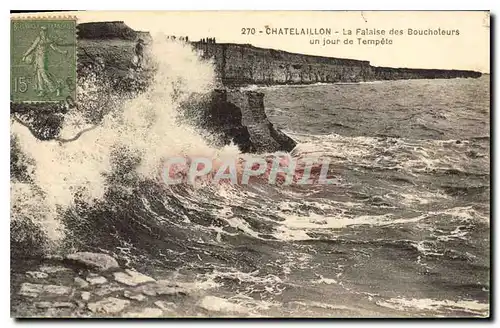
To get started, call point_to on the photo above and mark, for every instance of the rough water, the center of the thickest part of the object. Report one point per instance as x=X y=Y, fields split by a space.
x=403 y=231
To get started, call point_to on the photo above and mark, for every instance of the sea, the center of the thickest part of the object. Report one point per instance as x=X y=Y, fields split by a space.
x=403 y=231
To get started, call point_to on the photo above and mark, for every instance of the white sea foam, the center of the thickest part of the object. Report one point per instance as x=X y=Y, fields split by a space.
x=145 y=126
x=427 y=304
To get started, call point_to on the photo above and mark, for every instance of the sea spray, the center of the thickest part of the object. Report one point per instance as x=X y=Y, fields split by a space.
x=145 y=127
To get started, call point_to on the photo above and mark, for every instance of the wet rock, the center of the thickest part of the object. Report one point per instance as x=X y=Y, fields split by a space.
x=99 y=280
x=85 y=296
x=162 y=287
x=37 y=274
x=134 y=296
x=239 y=117
x=107 y=289
x=132 y=278
x=81 y=283
x=53 y=269
x=145 y=313
x=52 y=257
x=217 y=304
x=43 y=305
x=46 y=305
x=165 y=305
x=57 y=290
x=98 y=261
x=474 y=154
x=264 y=137
x=34 y=290
x=108 y=305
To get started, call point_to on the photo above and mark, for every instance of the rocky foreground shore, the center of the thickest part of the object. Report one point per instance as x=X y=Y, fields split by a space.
x=94 y=285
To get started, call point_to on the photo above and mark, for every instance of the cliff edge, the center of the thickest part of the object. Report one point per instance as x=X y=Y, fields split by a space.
x=243 y=64
x=105 y=53
x=239 y=117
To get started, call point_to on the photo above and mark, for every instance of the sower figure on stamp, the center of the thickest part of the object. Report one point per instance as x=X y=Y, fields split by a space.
x=45 y=81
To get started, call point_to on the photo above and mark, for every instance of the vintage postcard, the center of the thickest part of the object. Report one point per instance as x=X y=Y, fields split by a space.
x=331 y=164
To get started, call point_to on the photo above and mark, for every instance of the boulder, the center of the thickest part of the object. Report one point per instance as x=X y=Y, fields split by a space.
x=109 y=305
x=53 y=269
x=34 y=290
x=107 y=289
x=145 y=313
x=54 y=305
x=98 y=261
x=37 y=274
x=81 y=283
x=134 y=296
x=98 y=280
x=85 y=296
x=217 y=304
x=161 y=287
x=165 y=305
x=132 y=278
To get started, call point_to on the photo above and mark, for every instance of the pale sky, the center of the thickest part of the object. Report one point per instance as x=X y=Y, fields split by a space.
x=469 y=50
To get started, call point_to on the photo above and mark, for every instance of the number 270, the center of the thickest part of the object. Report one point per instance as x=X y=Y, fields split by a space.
x=247 y=31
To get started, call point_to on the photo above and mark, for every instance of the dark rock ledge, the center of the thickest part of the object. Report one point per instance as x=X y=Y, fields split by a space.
x=93 y=285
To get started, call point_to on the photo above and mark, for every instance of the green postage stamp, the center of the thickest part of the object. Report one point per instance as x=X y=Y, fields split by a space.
x=43 y=60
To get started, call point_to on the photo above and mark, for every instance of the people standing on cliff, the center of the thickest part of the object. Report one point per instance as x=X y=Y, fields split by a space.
x=139 y=53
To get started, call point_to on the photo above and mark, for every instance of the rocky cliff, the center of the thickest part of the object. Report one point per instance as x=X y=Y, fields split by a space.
x=240 y=117
x=105 y=52
x=242 y=64
x=96 y=285
x=106 y=49
x=108 y=30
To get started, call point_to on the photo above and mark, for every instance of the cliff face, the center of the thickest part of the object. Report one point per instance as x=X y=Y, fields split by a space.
x=241 y=64
x=244 y=64
x=106 y=30
x=106 y=49
x=105 y=52
x=240 y=117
